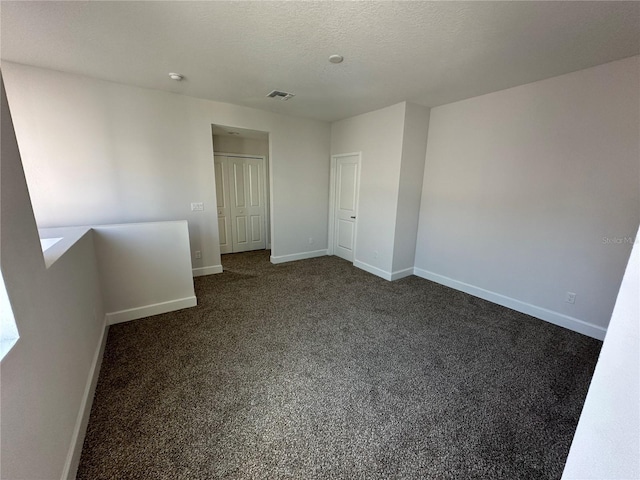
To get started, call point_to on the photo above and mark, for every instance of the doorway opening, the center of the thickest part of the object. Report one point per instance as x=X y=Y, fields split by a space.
x=242 y=181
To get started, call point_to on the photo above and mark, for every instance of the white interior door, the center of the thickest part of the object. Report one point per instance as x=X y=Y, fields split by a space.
x=223 y=200
x=248 y=203
x=347 y=178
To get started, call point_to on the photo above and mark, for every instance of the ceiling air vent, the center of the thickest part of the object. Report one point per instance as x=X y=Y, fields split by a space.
x=281 y=95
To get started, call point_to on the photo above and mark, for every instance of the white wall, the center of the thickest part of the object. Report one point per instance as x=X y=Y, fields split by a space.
x=607 y=440
x=378 y=135
x=97 y=152
x=48 y=374
x=414 y=147
x=522 y=188
x=246 y=146
x=144 y=268
x=393 y=144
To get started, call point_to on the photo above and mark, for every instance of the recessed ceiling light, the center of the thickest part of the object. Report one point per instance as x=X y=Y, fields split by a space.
x=176 y=76
x=336 y=58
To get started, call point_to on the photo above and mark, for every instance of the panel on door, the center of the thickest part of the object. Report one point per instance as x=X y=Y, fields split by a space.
x=255 y=227
x=241 y=231
x=237 y=184
x=238 y=195
x=222 y=201
x=254 y=180
x=256 y=202
x=345 y=235
x=346 y=205
x=223 y=232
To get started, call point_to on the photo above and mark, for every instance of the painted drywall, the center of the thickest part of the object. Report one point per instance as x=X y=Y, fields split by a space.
x=97 y=152
x=144 y=268
x=607 y=439
x=47 y=376
x=246 y=146
x=414 y=148
x=393 y=145
x=528 y=193
x=378 y=135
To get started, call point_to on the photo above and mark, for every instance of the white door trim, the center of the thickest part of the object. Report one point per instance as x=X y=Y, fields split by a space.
x=332 y=201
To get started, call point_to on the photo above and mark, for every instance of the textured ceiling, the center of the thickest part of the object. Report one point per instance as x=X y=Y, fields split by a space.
x=429 y=53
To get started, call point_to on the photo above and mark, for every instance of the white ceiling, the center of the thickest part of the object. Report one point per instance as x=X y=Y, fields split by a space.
x=429 y=53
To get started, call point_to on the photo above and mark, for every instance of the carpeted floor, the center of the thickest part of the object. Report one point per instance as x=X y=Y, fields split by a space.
x=316 y=369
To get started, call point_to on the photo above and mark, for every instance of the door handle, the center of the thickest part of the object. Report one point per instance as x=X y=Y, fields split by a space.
x=353 y=218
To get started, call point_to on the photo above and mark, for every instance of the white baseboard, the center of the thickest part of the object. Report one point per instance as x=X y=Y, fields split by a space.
x=391 y=276
x=398 y=274
x=77 y=439
x=201 y=271
x=149 y=310
x=371 y=269
x=298 y=256
x=550 y=316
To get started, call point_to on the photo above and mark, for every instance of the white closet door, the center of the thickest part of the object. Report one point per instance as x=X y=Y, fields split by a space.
x=248 y=203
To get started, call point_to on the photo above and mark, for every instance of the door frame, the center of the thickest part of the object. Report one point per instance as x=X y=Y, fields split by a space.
x=332 y=201
x=267 y=191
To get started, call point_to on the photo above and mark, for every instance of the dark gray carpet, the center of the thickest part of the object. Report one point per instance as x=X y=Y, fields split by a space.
x=315 y=369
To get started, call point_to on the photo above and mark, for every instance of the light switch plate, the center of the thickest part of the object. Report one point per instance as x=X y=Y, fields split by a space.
x=197 y=206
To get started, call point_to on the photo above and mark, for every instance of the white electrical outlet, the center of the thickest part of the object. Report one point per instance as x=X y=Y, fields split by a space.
x=198 y=254
x=310 y=240
x=570 y=297
x=197 y=206
x=375 y=254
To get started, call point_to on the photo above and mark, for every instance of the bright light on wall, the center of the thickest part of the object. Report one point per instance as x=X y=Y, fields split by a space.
x=8 y=329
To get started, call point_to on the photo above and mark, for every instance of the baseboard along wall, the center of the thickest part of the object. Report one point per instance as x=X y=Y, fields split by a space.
x=371 y=269
x=550 y=316
x=201 y=271
x=398 y=274
x=297 y=256
x=80 y=429
x=149 y=310
x=391 y=276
